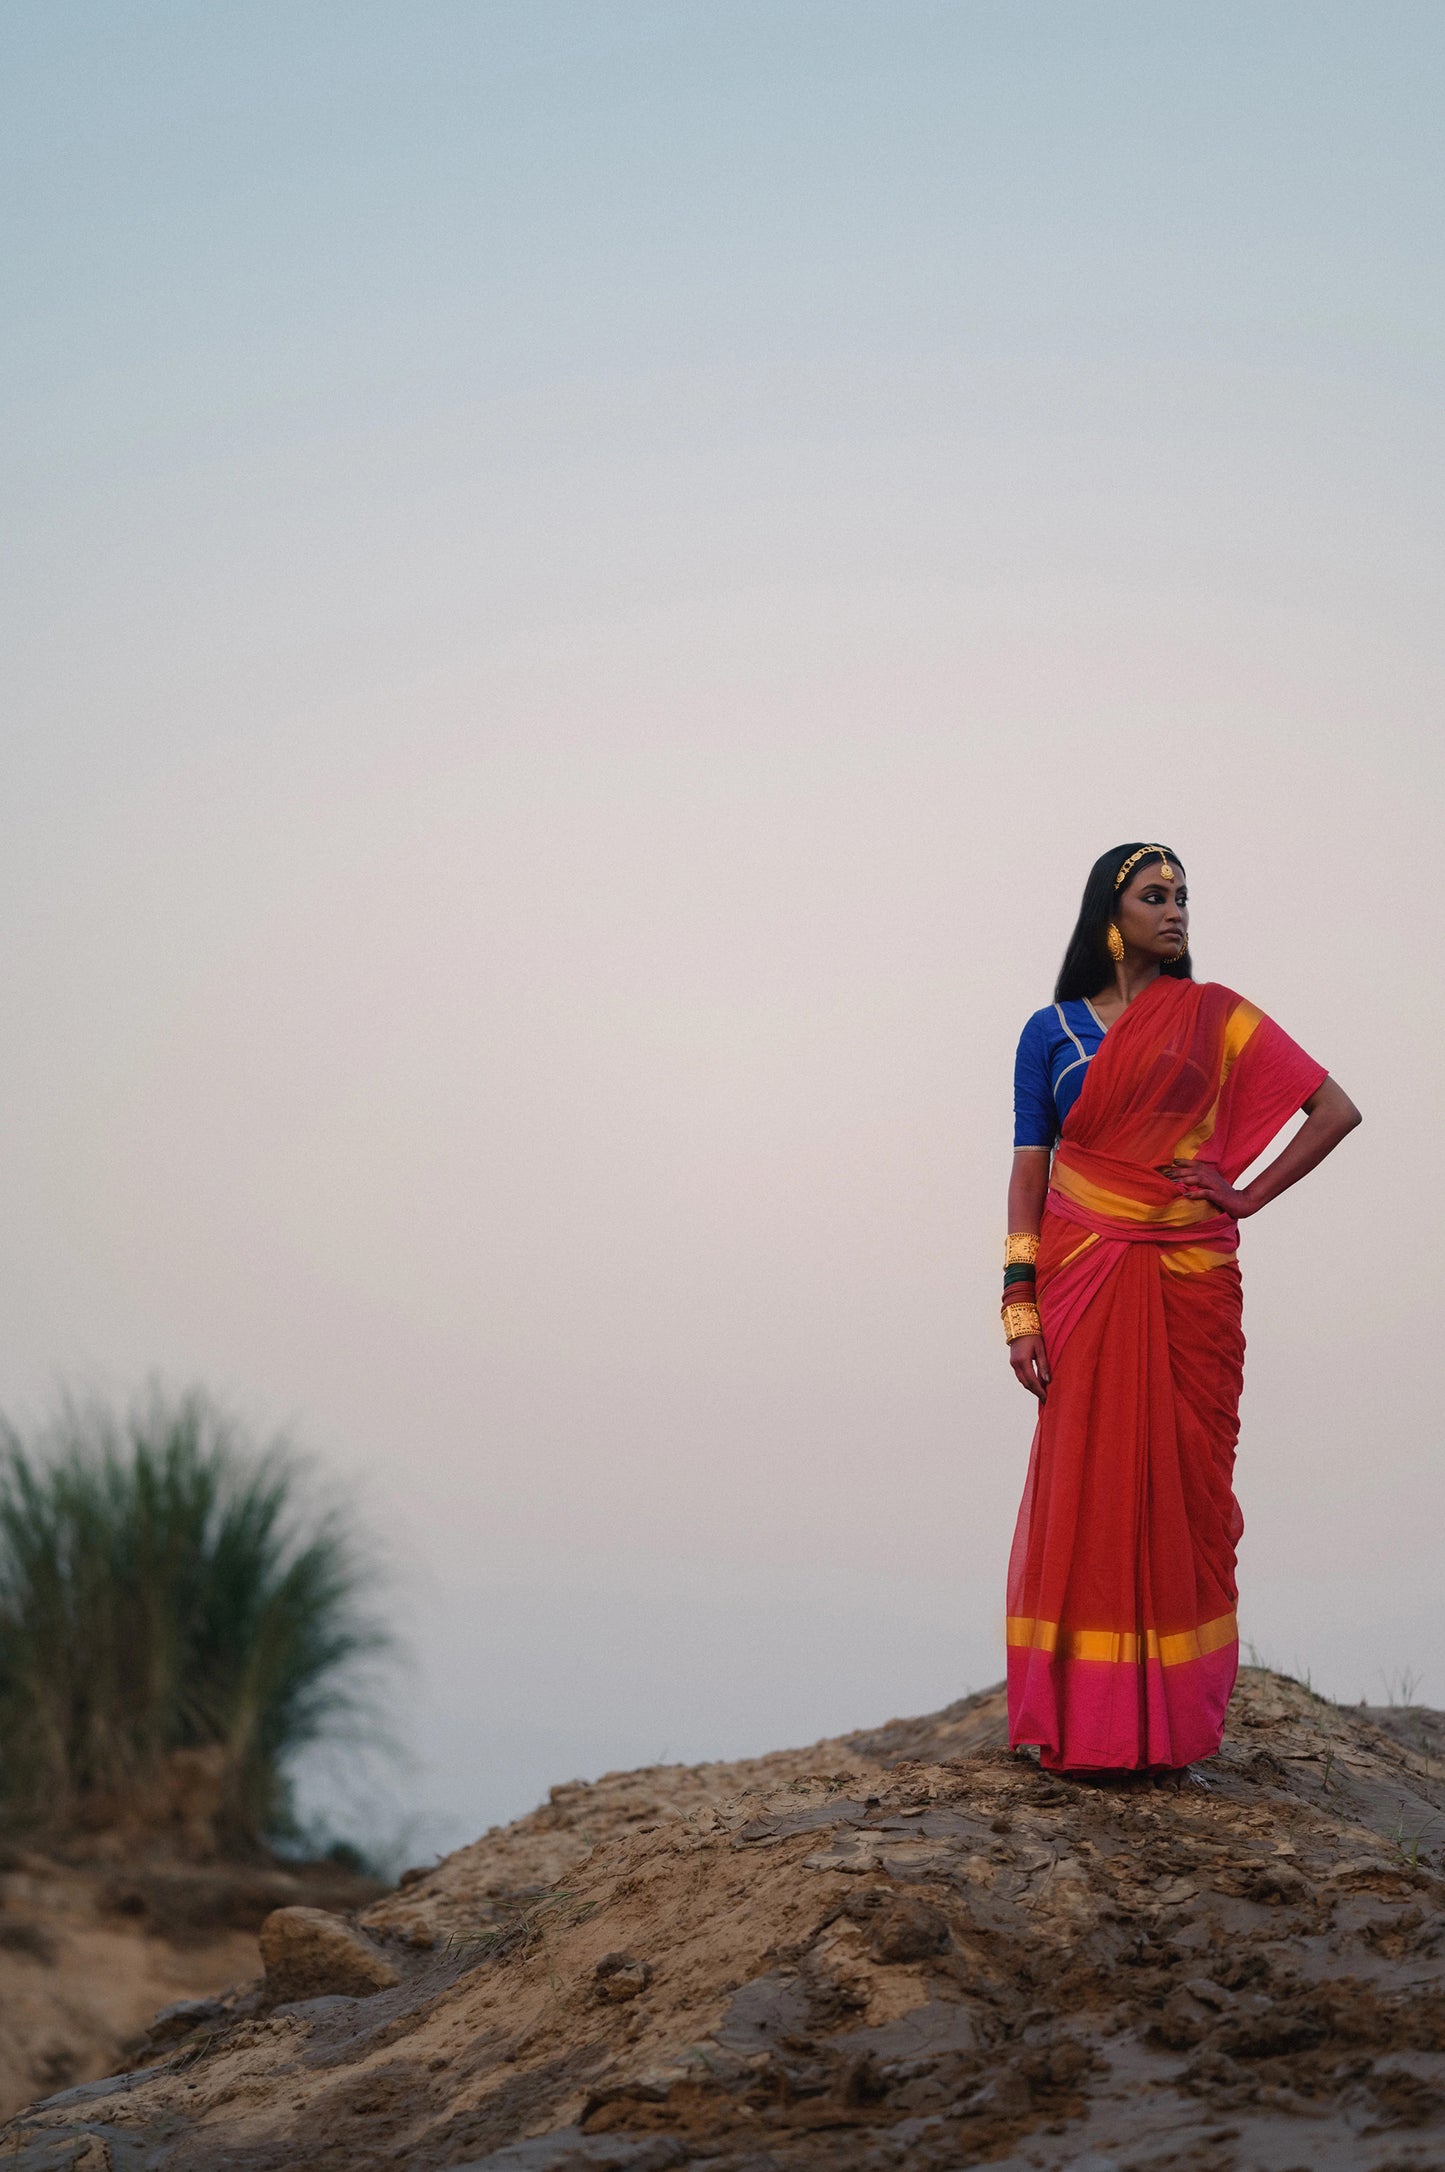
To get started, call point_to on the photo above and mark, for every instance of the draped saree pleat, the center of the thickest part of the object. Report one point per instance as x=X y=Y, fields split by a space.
x=1122 y=1645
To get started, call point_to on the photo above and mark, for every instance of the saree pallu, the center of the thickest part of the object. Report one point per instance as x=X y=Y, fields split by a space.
x=1122 y=1645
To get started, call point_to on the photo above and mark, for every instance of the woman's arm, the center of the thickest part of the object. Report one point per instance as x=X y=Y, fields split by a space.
x=1329 y=1115
x=1027 y=1185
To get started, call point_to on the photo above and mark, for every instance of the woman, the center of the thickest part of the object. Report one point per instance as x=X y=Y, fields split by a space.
x=1141 y=1095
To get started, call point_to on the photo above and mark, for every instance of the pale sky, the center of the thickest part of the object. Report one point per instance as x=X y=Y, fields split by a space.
x=583 y=583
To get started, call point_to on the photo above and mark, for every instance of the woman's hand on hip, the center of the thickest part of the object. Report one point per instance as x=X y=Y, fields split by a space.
x=1030 y=1361
x=1204 y=1180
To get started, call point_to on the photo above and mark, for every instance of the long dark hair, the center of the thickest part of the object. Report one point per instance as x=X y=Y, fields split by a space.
x=1087 y=966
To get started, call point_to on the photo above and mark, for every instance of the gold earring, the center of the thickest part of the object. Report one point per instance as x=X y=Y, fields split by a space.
x=1116 y=944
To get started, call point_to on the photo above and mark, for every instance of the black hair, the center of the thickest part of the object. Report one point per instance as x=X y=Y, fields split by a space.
x=1087 y=966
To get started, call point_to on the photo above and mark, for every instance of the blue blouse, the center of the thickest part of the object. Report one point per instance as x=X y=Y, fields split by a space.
x=1056 y=1048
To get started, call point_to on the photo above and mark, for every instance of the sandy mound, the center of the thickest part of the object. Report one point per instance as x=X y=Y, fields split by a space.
x=904 y=1948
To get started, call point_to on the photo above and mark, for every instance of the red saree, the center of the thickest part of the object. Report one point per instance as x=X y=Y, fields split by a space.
x=1122 y=1647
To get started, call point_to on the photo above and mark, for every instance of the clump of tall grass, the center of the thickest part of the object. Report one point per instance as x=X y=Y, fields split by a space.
x=168 y=1601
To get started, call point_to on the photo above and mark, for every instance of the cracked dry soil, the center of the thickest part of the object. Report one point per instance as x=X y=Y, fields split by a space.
x=905 y=1947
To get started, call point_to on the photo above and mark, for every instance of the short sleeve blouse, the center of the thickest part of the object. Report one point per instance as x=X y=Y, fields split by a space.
x=1055 y=1050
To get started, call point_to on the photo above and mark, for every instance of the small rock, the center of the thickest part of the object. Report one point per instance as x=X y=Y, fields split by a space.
x=1056 y=2066
x=1178 y=2025
x=620 y=1976
x=909 y=1930
x=308 y=1953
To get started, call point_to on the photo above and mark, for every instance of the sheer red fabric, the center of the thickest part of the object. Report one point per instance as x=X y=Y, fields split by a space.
x=1121 y=1593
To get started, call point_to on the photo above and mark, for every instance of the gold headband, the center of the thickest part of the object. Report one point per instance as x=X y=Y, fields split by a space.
x=1166 y=871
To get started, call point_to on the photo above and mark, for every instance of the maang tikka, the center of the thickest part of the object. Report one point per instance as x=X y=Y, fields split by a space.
x=1165 y=870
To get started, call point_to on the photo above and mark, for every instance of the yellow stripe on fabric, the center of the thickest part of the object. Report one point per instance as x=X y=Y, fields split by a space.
x=1121 y=1647
x=1176 y=1214
x=1190 y=1259
x=1239 y=1026
x=1092 y=1238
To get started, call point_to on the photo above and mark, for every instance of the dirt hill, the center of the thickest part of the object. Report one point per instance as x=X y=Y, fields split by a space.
x=904 y=1948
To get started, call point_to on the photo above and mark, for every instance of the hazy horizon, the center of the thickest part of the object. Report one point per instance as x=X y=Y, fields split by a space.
x=584 y=586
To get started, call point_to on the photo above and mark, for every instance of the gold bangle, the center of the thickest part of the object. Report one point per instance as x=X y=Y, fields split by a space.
x=1020 y=1248
x=1021 y=1320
